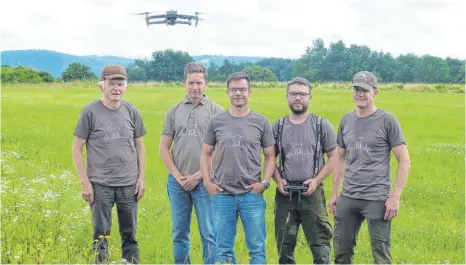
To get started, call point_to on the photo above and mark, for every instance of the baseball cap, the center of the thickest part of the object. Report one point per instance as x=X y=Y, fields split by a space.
x=365 y=80
x=113 y=71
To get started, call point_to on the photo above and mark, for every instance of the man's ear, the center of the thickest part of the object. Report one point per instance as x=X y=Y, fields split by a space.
x=101 y=85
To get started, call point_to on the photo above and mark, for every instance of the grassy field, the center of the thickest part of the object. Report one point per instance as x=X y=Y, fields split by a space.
x=44 y=219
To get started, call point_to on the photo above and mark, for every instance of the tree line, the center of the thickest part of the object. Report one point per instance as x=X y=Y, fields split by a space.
x=335 y=63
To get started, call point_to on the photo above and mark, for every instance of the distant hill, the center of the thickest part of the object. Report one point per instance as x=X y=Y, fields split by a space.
x=56 y=63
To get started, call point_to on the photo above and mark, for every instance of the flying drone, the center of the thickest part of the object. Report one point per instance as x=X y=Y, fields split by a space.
x=171 y=18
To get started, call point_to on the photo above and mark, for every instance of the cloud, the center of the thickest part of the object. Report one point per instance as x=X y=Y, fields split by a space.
x=240 y=27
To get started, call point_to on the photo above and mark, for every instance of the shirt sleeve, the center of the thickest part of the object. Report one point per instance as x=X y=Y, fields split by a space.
x=394 y=132
x=168 y=128
x=209 y=136
x=83 y=128
x=340 y=140
x=139 y=127
x=329 y=139
x=267 y=135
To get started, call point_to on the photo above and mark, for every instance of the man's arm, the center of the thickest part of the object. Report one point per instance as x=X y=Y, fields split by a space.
x=164 y=151
x=404 y=165
x=206 y=161
x=87 y=191
x=77 y=152
x=141 y=150
x=338 y=173
x=206 y=167
x=327 y=169
x=338 y=170
x=140 y=184
x=392 y=205
x=270 y=162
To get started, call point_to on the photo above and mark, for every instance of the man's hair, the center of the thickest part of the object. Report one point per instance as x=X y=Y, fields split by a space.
x=238 y=76
x=102 y=83
x=299 y=81
x=195 y=68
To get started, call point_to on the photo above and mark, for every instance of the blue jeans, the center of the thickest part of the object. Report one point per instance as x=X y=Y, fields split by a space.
x=251 y=209
x=181 y=204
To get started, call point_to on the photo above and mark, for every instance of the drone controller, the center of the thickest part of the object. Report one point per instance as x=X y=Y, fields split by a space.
x=295 y=187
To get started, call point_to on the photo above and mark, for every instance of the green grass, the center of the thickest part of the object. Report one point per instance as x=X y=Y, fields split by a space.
x=44 y=219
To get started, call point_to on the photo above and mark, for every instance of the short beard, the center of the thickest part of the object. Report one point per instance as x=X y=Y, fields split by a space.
x=298 y=112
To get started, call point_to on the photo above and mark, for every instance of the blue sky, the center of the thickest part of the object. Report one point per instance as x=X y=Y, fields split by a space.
x=240 y=27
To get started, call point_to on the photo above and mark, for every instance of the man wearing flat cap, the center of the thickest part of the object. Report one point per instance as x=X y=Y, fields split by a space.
x=112 y=130
x=366 y=137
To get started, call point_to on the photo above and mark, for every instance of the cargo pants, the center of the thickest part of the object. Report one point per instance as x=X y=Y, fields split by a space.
x=105 y=198
x=311 y=213
x=349 y=215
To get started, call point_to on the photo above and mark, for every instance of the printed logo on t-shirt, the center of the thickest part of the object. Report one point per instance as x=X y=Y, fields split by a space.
x=356 y=144
x=191 y=130
x=297 y=150
x=115 y=132
x=234 y=141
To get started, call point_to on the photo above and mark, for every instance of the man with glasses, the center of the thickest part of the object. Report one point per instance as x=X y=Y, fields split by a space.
x=302 y=140
x=238 y=136
x=184 y=127
x=366 y=137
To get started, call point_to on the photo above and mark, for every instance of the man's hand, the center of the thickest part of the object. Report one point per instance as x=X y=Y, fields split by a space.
x=392 y=205
x=140 y=188
x=190 y=182
x=212 y=188
x=281 y=187
x=86 y=191
x=257 y=188
x=311 y=186
x=332 y=203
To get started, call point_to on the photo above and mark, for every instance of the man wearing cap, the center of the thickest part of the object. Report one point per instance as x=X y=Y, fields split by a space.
x=239 y=136
x=366 y=137
x=184 y=127
x=112 y=130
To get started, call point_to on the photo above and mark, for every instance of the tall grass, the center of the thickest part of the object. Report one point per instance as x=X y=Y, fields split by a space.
x=44 y=219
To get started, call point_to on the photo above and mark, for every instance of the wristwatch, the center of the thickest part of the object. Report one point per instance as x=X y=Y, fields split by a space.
x=266 y=184
x=198 y=176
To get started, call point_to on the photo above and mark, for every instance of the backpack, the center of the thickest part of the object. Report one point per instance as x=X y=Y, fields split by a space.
x=318 y=153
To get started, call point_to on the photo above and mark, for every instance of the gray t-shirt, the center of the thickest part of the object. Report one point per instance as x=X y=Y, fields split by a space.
x=186 y=124
x=110 y=142
x=299 y=145
x=239 y=142
x=368 y=142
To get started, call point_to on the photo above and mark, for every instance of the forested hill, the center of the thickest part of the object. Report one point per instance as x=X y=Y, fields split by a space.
x=335 y=62
x=56 y=63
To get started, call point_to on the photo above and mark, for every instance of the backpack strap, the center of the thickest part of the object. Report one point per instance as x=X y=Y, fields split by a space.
x=280 y=147
x=319 y=147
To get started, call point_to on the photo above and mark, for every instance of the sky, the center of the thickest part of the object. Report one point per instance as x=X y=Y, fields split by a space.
x=264 y=28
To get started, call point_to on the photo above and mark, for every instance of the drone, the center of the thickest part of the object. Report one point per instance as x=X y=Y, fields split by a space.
x=171 y=18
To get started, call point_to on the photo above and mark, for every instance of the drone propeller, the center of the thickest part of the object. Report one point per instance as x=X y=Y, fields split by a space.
x=148 y=12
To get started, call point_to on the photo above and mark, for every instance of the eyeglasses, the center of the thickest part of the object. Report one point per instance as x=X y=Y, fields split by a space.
x=240 y=89
x=301 y=94
x=357 y=90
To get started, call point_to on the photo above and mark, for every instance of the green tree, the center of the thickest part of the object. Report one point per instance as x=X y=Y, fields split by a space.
x=167 y=65
x=259 y=73
x=456 y=68
x=47 y=77
x=77 y=71
x=136 y=74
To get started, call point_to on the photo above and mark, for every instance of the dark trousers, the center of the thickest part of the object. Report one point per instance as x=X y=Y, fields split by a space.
x=349 y=215
x=311 y=213
x=127 y=207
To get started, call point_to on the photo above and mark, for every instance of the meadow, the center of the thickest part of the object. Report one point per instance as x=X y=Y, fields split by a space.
x=45 y=220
